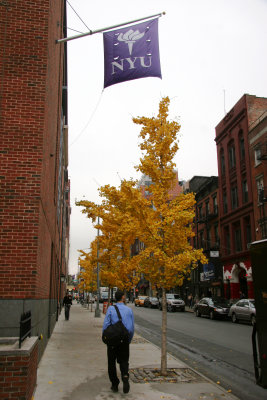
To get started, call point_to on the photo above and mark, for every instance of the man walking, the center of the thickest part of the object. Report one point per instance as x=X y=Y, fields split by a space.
x=121 y=352
x=67 y=302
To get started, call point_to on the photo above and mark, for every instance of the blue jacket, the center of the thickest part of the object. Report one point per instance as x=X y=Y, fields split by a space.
x=126 y=316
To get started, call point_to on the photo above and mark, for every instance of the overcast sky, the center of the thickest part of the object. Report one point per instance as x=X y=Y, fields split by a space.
x=207 y=48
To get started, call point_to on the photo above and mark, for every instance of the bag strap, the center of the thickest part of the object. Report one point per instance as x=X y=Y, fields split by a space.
x=118 y=312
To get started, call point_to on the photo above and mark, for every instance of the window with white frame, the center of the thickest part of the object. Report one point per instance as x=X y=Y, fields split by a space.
x=257 y=153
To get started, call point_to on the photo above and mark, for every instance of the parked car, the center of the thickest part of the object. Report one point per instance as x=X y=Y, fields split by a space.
x=213 y=308
x=139 y=301
x=151 y=302
x=243 y=310
x=174 y=302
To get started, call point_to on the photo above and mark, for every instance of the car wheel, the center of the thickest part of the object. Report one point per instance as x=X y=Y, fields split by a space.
x=169 y=308
x=212 y=316
x=198 y=313
x=234 y=319
x=149 y=305
x=135 y=305
x=253 y=319
x=182 y=309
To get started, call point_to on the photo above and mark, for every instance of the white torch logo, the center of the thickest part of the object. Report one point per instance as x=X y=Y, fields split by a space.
x=130 y=37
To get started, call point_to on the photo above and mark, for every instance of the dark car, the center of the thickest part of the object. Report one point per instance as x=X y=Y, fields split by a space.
x=243 y=310
x=151 y=302
x=213 y=308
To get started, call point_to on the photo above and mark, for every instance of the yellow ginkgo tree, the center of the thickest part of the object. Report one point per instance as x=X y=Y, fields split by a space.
x=88 y=262
x=118 y=232
x=164 y=222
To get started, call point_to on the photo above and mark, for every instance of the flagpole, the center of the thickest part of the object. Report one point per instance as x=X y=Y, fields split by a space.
x=107 y=29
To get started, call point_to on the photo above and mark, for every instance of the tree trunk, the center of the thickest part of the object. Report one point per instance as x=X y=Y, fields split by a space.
x=109 y=296
x=164 y=334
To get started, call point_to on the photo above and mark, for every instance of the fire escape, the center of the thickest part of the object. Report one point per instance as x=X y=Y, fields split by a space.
x=262 y=197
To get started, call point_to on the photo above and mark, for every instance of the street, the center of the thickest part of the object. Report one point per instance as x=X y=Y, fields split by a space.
x=219 y=349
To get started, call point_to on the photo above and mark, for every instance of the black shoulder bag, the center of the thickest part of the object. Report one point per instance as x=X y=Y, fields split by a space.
x=115 y=334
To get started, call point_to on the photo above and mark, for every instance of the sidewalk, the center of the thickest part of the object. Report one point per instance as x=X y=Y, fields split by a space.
x=74 y=367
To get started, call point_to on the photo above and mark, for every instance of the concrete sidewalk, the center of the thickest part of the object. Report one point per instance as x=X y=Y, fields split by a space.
x=74 y=367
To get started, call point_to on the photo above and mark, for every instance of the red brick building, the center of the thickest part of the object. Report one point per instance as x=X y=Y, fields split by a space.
x=236 y=196
x=258 y=159
x=207 y=279
x=34 y=197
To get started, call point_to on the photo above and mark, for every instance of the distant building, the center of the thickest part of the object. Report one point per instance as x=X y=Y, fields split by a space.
x=206 y=280
x=236 y=137
x=35 y=189
x=145 y=182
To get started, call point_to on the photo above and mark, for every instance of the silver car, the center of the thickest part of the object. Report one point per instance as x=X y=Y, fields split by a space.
x=243 y=310
x=174 y=302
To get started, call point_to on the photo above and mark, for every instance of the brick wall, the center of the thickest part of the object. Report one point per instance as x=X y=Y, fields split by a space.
x=30 y=126
x=32 y=118
x=18 y=374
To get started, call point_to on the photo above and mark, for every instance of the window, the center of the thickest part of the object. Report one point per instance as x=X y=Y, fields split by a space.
x=227 y=240
x=242 y=148
x=237 y=235
x=245 y=191
x=208 y=238
x=222 y=163
x=257 y=153
x=216 y=235
x=225 y=206
x=200 y=212
x=231 y=155
x=207 y=208
x=234 y=197
x=215 y=205
x=248 y=230
x=201 y=239
x=260 y=188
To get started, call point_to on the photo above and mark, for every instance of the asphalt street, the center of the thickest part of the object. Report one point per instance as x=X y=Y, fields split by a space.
x=219 y=349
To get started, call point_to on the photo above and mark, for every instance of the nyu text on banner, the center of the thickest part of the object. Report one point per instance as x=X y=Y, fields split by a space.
x=132 y=53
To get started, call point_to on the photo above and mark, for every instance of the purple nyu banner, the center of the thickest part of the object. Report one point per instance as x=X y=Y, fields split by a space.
x=132 y=53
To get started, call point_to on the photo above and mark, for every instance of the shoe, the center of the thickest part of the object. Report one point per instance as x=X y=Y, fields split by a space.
x=126 y=385
x=114 y=388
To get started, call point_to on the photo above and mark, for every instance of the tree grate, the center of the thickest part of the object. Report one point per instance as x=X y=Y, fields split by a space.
x=174 y=375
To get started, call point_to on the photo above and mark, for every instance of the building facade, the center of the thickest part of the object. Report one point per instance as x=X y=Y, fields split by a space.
x=258 y=160
x=34 y=198
x=144 y=286
x=236 y=198
x=206 y=280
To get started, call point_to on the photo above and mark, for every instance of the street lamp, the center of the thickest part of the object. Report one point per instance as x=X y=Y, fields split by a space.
x=97 y=310
x=62 y=278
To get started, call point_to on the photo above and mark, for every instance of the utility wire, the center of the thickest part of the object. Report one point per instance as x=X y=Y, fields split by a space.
x=79 y=16
x=75 y=30
x=90 y=119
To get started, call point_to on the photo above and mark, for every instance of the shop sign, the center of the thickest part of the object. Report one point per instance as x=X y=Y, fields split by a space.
x=214 y=253
x=208 y=271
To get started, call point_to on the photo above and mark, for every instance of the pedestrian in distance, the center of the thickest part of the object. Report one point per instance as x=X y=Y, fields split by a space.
x=119 y=353
x=67 y=303
x=190 y=300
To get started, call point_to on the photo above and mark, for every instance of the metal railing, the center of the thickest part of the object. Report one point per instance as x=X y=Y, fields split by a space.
x=25 y=326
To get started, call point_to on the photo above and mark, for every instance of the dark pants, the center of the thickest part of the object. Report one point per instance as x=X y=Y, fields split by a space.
x=121 y=355
x=67 y=311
